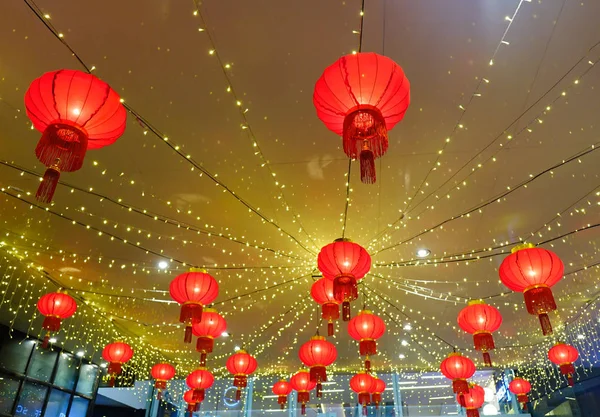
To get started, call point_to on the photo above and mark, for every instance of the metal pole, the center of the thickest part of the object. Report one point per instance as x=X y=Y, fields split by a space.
x=397 y=395
x=292 y=404
x=248 y=399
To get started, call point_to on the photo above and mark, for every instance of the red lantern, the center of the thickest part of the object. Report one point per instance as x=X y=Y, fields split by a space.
x=56 y=307
x=564 y=355
x=282 y=389
x=533 y=271
x=366 y=328
x=520 y=387
x=199 y=380
x=345 y=263
x=472 y=400
x=302 y=383
x=193 y=405
x=75 y=111
x=378 y=388
x=116 y=354
x=212 y=326
x=162 y=372
x=322 y=293
x=317 y=354
x=193 y=290
x=481 y=320
x=362 y=96
x=363 y=384
x=241 y=364
x=458 y=368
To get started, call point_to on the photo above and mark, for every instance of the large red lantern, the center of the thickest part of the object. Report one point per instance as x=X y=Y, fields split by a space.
x=322 y=292
x=345 y=263
x=193 y=290
x=520 y=387
x=193 y=405
x=200 y=380
x=317 y=354
x=366 y=327
x=564 y=355
x=378 y=388
x=241 y=364
x=162 y=372
x=533 y=271
x=362 y=96
x=116 y=354
x=56 y=307
x=458 y=368
x=302 y=384
x=363 y=384
x=481 y=320
x=75 y=111
x=472 y=400
x=212 y=326
x=282 y=389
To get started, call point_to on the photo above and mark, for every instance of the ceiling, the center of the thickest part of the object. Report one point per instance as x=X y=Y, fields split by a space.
x=249 y=184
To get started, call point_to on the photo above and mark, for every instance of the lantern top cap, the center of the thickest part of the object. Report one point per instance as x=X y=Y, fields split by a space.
x=282 y=380
x=209 y=310
x=194 y=269
x=365 y=312
x=302 y=370
x=201 y=368
x=454 y=354
x=317 y=337
x=342 y=239
x=522 y=246
x=241 y=351
x=475 y=302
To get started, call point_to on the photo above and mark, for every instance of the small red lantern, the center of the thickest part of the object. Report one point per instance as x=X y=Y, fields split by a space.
x=302 y=383
x=75 y=111
x=520 y=387
x=362 y=96
x=193 y=405
x=481 y=320
x=564 y=355
x=56 y=307
x=162 y=372
x=193 y=290
x=363 y=384
x=212 y=326
x=241 y=364
x=317 y=354
x=533 y=271
x=378 y=389
x=458 y=368
x=322 y=293
x=472 y=400
x=366 y=327
x=345 y=263
x=116 y=354
x=282 y=389
x=199 y=380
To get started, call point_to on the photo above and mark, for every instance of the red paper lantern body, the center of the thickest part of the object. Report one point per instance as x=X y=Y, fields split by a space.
x=363 y=384
x=322 y=292
x=282 y=389
x=366 y=327
x=533 y=271
x=481 y=320
x=345 y=263
x=200 y=380
x=193 y=290
x=520 y=387
x=302 y=383
x=56 y=307
x=241 y=364
x=193 y=405
x=212 y=326
x=564 y=355
x=162 y=372
x=458 y=368
x=317 y=354
x=362 y=96
x=378 y=388
x=116 y=354
x=75 y=111
x=472 y=400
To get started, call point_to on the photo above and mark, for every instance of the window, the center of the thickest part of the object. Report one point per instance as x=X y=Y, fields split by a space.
x=57 y=404
x=67 y=371
x=31 y=400
x=14 y=353
x=79 y=407
x=8 y=390
x=42 y=364
x=86 y=384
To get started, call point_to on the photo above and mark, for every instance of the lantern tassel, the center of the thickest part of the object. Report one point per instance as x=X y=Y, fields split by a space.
x=545 y=323
x=570 y=380
x=46 y=341
x=111 y=381
x=330 y=329
x=203 y=359
x=368 y=365
x=487 y=359
x=346 y=311
x=472 y=412
x=367 y=167
x=159 y=395
x=303 y=409
x=46 y=190
x=188 y=334
x=238 y=394
x=319 y=389
x=364 y=410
